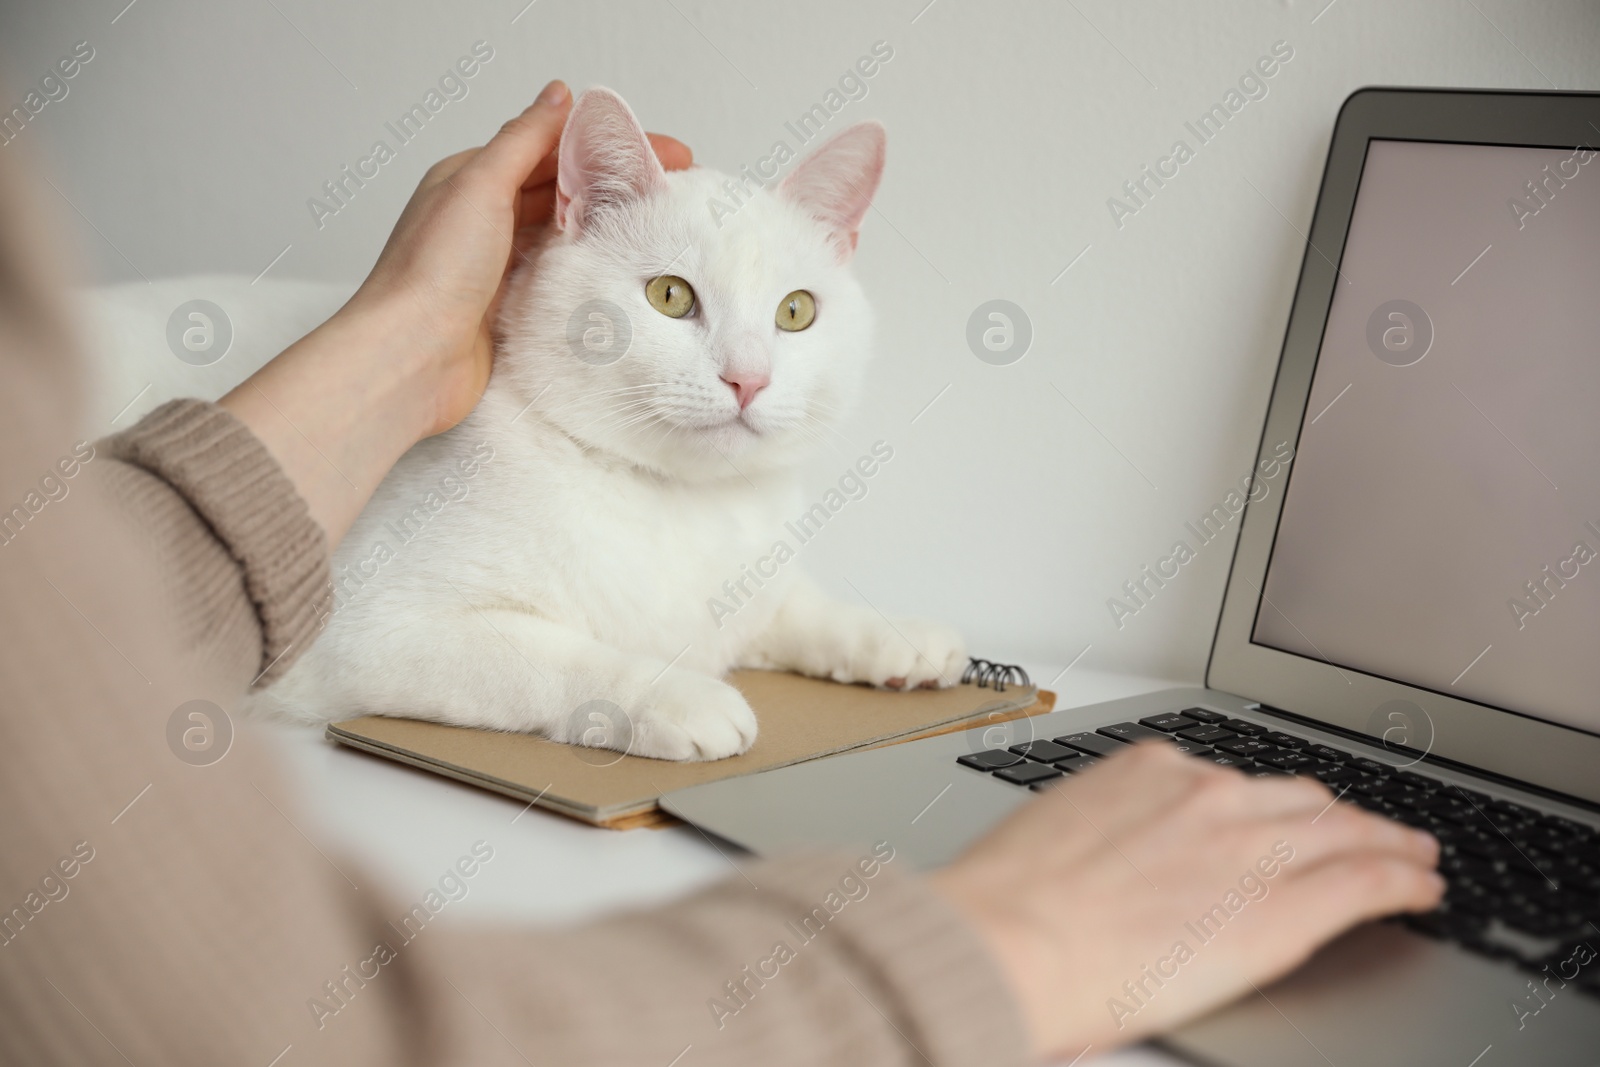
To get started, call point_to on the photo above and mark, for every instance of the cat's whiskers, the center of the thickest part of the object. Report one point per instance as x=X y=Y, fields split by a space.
x=666 y=401
x=814 y=425
x=636 y=419
x=621 y=403
x=650 y=388
x=807 y=433
x=818 y=406
x=653 y=429
x=810 y=434
x=638 y=410
x=641 y=388
x=650 y=430
x=582 y=403
x=607 y=406
x=829 y=424
x=823 y=443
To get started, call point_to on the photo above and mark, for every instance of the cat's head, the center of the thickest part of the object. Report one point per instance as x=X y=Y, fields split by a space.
x=691 y=323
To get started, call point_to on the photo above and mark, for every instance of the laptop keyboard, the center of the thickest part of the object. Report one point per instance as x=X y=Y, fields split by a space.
x=1523 y=885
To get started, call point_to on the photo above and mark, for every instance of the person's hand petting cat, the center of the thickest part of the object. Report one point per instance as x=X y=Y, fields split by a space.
x=409 y=355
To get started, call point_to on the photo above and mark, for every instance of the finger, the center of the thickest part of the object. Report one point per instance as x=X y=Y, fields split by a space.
x=536 y=206
x=1345 y=831
x=525 y=240
x=1334 y=896
x=1282 y=795
x=1132 y=787
x=1212 y=795
x=511 y=155
x=544 y=172
x=673 y=154
x=447 y=167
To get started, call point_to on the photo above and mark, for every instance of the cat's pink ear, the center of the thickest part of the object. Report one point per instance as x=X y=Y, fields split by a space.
x=835 y=184
x=605 y=160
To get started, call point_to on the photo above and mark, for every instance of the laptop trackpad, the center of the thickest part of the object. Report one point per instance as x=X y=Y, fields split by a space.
x=1384 y=995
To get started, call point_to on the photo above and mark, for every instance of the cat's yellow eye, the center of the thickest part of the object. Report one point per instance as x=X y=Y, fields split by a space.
x=670 y=295
x=797 y=311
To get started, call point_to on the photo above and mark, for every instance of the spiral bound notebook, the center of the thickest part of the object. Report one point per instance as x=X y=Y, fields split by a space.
x=800 y=719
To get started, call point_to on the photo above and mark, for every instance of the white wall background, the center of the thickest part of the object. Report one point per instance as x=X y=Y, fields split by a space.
x=194 y=138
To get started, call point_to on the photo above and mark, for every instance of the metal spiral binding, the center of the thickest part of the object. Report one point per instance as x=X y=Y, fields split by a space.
x=984 y=673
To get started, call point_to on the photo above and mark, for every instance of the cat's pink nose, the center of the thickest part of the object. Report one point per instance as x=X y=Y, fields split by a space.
x=746 y=384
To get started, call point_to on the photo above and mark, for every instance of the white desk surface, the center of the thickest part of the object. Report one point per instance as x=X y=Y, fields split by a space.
x=406 y=826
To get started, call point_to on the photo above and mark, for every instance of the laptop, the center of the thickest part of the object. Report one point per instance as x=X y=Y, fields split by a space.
x=1412 y=615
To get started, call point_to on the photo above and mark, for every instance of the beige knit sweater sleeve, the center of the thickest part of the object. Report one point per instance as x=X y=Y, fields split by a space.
x=163 y=900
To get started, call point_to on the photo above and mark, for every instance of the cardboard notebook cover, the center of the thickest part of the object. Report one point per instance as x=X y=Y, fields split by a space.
x=800 y=719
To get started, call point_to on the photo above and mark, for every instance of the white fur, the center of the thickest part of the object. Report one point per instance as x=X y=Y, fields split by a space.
x=576 y=564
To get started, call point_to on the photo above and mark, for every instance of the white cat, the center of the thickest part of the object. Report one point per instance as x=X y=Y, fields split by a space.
x=661 y=373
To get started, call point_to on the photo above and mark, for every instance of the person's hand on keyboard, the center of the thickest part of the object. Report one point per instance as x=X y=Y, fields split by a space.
x=1146 y=891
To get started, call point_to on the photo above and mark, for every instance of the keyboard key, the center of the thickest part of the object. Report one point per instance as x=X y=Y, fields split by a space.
x=1225 y=759
x=1191 y=748
x=1571 y=826
x=1464 y=841
x=1261 y=770
x=1491 y=847
x=991 y=760
x=1130 y=732
x=1206 y=735
x=1027 y=773
x=1506 y=807
x=1043 y=751
x=1167 y=724
x=1069 y=763
x=1371 y=766
x=1420 y=820
x=1204 y=715
x=1247 y=746
x=1472 y=900
x=1288 y=761
x=1240 y=726
x=1508 y=824
x=1283 y=740
x=1415 y=780
x=1405 y=795
x=1462 y=868
x=1336 y=776
x=1329 y=753
x=1094 y=744
x=1077 y=766
x=1441 y=807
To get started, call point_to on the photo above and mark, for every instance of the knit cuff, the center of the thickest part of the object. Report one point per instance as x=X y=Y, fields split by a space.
x=230 y=479
x=929 y=971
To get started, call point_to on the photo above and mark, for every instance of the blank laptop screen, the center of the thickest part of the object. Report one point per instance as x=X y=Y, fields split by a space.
x=1441 y=524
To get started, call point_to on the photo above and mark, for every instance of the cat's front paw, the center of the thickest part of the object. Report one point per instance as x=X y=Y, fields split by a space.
x=908 y=654
x=691 y=716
